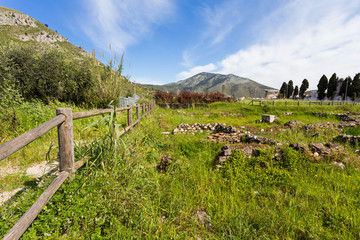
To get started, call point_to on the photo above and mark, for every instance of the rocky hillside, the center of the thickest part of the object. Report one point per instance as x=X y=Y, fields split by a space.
x=230 y=85
x=22 y=29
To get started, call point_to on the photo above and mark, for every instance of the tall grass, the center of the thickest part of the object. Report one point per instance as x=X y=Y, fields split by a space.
x=120 y=194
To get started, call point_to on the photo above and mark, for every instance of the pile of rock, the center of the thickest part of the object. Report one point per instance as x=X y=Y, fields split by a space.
x=293 y=124
x=287 y=113
x=227 y=137
x=353 y=140
x=318 y=150
x=208 y=127
x=330 y=125
x=349 y=116
x=226 y=152
x=320 y=114
x=249 y=138
x=239 y=136
x=164 y=164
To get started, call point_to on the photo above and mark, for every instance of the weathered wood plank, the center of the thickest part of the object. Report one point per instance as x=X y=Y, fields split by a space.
x=24 y=222
x=130 y=118
x=21 y=141
x=78 y=115
x=66 y=141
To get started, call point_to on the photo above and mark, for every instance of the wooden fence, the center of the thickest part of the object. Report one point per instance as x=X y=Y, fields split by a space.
x=67 y=165
x=299 y=103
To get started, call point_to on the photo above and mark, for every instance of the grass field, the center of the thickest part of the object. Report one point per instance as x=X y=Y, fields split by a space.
x=120 y=194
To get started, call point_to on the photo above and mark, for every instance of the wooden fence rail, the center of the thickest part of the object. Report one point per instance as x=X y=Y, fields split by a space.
x=67 y=166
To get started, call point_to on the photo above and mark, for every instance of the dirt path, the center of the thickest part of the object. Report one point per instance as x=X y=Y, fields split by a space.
x=35 y=171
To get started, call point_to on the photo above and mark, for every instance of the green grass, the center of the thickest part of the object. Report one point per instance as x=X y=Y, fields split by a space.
x=119 y=194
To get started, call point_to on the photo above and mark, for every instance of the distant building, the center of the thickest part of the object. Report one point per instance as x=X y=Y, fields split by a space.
x=310 y=95
x=271 y=93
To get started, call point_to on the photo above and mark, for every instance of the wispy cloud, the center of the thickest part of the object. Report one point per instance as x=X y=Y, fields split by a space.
x=206 y=68
x=219 y=21
x=123 y=23
x=302 y=39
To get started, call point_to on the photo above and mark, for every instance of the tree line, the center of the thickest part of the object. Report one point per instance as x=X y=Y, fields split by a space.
x=326 y=88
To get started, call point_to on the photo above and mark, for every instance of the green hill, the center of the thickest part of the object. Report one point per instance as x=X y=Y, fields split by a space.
x=40 y=63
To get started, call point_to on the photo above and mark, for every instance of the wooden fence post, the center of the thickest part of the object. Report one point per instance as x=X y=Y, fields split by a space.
x=129 y=113
x=138 y=113
x=298 y=103
x=309 y=103
x=66 y=141
x=143 y=109
x=285 y=103
x=260 y=103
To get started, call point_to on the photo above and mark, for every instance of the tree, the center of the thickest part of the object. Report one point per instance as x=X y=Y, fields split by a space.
x=296 y=91
x=346 y=89
x=290 y=89
x=331 y=92
x=282 y=92
x=322 y=86
x=304 y=86
x=356 y=85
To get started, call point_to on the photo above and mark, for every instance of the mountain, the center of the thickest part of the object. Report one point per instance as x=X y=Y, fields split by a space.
x=230 y=85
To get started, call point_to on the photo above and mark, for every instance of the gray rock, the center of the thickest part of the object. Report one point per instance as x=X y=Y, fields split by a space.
x=202 y=218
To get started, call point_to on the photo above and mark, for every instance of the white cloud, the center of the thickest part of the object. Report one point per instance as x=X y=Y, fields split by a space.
x=144 y=80
x=206 y=68
x=303 y=39
x=122 y=23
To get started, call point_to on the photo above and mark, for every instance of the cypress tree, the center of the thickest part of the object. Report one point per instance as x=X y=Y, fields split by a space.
x=290 y=89
x=296 y=91
x=322 y=86
x=304 y=86
x=331 y=92
x=282 y=92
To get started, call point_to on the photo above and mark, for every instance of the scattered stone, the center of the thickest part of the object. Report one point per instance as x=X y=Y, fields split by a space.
x=316 y=135
x=293 y=124
x=339 y=164
x=227 y=150
x=353 y=140
x=164 y=164
x=319 y=148
x=163 y=218
x=287 y=113
x=330 y=125
x=320 y=114
x=298 y=147
x=202 y=218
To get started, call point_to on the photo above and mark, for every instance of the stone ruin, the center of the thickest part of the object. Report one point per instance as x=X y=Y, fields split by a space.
x=208 y=127
x=352 y=140
x=317 y=151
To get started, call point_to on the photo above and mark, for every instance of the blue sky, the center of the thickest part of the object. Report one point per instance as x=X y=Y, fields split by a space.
x=269 y=41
